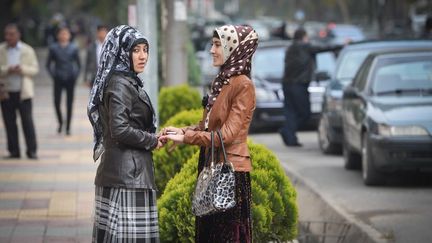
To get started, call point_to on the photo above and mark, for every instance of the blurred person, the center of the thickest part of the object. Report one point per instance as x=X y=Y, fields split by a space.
x=427 y=30
x=93 y=54
x=299 y=68
x=280 y=32
x=18 y=64
x=52 y=28
x=124 y=125
x=229 y=107
x=63 y=65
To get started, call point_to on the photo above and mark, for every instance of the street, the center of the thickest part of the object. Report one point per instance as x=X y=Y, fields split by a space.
x=397 y=212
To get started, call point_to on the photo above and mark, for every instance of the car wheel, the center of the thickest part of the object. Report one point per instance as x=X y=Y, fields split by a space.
x=352 y=160
x=370 y=175
x=325 y=144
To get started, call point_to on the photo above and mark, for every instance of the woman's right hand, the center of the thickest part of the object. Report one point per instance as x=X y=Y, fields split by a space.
x=177 y=131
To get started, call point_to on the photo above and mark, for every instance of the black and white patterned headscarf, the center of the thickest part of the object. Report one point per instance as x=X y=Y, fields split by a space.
x=239 y=44
x=115 y=57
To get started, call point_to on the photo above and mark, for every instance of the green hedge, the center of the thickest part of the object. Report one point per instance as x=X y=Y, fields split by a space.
x=167 y=164
x=174 y=99
x=274 y=209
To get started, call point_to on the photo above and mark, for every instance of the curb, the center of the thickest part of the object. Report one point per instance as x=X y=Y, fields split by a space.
x=313 y=206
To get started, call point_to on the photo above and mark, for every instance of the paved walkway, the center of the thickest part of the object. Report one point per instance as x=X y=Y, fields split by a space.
x=49 y=199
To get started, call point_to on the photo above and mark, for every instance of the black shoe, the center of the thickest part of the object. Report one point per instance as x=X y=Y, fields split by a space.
x=59 y=129
x=32 y=155
x=297 y=144
x=68 y=133
x=12 y=156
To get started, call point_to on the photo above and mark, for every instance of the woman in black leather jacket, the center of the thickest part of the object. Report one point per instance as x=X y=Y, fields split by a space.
x=123 y=121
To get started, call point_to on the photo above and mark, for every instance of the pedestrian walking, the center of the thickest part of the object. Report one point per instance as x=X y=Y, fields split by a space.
x=124 y=125
x=63 y=65
x=93 y=54
x=229 y=108
x=18 y=64
x=427 y=29
x=299 y=68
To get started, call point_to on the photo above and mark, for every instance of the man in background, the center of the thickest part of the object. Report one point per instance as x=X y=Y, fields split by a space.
x=63 y=64
x=299 y=68
x=93 y=54
x=18 y=64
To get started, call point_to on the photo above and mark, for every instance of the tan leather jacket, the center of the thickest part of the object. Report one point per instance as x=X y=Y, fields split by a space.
x=29 y=66
x=231 y=113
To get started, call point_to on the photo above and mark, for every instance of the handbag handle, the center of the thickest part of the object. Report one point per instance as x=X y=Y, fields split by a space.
x=219 y=133
x=210 y=157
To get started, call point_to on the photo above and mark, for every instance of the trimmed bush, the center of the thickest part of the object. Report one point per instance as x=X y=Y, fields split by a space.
x=168 y=163
x=274 y=209
x=174 y=99
x=176 y=221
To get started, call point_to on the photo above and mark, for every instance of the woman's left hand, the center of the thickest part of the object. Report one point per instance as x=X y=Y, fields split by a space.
x=178 y=138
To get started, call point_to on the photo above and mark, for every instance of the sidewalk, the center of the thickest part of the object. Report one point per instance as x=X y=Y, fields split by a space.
x=49 y=199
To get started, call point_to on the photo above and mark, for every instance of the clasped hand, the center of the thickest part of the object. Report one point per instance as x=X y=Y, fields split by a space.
x=170 y=133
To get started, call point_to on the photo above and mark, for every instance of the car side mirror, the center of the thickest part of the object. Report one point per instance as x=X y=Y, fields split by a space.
x=350 y=93
x=322 y=75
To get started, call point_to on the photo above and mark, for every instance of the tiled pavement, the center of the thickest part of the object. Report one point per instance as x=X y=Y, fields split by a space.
x=49 y=199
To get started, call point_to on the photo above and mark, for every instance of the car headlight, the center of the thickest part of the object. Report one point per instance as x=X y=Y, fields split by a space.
x=263 y=95
x=390 y=131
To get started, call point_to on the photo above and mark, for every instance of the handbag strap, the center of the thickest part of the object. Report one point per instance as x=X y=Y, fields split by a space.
x=210 y=157
x=222 y=146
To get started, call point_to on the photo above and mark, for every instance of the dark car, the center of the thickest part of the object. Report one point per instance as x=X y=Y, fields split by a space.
x=267 y=74
x=387 y=115
x=349 y=60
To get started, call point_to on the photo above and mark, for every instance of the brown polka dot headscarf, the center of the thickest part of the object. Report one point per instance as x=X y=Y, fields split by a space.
x=239 y=44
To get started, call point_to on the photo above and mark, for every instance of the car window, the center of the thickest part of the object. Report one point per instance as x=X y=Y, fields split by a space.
x=362 y=75
x=273 y=69
x=403 y=76
x=325 y=61
x=349 y=65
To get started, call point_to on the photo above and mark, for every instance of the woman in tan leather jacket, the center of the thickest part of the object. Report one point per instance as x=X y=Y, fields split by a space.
x=229 y=107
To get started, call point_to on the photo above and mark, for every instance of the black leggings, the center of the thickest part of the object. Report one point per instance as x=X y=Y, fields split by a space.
x=69 y=86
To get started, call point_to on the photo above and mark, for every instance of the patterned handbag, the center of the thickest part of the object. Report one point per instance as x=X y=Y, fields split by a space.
x=215 y=186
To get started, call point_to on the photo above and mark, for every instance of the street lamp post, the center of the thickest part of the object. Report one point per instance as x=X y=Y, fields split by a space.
x=146 y=15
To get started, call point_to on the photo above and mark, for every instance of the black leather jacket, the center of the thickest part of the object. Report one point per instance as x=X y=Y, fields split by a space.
x=300 y=61
x=128 y=136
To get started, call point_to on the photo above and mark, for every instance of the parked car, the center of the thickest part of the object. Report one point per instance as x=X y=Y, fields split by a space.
x=387 y=114
x=349 y=60
x=267 y=74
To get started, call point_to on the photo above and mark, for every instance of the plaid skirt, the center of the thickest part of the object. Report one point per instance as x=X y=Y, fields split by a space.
x=125 y=215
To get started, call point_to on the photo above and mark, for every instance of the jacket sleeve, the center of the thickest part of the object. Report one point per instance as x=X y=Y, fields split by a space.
x=241 y=111
x=3 y=62
x=314 y=49
x=120 y=101
x=77 y=60
x=89 y=61
x=49 y=61
x=30 y=66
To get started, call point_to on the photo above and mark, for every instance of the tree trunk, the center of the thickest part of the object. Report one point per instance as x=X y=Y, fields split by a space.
x=344 y=10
